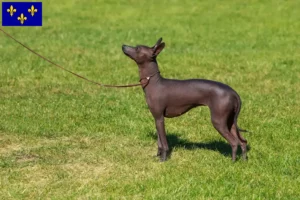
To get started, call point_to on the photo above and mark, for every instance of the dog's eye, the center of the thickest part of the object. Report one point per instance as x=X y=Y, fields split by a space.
x=137 y=48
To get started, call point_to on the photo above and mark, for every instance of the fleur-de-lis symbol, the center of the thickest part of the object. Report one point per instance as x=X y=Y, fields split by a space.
x=32 y=10
x=11 y=10
x=22 y=18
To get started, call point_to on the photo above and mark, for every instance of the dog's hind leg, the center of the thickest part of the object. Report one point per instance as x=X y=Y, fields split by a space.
x=243 y=143
x=234 y=129
x=231 y=123
x=221 y=125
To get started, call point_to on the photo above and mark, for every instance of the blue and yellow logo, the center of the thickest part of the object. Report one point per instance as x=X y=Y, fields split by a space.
x=22 y=14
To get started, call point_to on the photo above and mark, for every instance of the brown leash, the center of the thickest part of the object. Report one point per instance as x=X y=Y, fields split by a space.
x=143 y=81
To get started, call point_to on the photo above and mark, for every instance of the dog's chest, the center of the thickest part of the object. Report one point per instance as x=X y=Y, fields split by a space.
x=151 y=99
x=154 y=100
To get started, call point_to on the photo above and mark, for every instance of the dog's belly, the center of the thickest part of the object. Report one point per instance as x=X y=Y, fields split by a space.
x=175 y=111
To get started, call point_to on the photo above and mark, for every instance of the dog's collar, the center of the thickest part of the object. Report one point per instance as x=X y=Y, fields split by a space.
x=145 y=81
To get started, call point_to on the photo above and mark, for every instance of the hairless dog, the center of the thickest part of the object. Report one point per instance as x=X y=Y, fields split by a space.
x=171 y=98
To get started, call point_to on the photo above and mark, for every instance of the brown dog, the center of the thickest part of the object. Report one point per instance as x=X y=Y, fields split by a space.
x=172 y=98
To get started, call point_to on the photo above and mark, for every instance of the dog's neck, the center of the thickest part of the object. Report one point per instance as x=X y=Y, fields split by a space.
x=149 y=69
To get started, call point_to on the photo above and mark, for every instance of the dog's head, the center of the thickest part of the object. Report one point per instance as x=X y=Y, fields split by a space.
x=141 y=53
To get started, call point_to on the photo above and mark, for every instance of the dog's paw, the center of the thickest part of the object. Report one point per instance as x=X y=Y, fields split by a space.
x=159 y=152
x=164 y=156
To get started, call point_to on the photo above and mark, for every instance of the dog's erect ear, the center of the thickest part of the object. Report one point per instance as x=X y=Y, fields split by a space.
x=157 y=43
x=158 y=49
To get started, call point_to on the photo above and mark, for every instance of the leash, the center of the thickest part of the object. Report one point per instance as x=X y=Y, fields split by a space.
x=143 y=81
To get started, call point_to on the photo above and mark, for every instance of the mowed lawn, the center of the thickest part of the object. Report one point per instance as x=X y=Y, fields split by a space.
x=64 y=138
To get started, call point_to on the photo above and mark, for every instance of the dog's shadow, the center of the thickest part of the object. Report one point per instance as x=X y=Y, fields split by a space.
x=176 y=142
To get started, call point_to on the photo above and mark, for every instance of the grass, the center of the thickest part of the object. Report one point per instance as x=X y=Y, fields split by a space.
x=63 y=138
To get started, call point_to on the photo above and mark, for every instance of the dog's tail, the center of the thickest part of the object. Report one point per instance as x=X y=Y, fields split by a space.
x=237 y=112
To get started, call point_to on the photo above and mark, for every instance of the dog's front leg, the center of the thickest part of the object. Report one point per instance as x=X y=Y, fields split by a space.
x=163 y=148
x=159 y=146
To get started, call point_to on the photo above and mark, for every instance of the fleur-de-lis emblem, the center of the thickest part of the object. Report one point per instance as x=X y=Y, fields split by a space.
x=32 y=10
x=11 y=10
x=22 y=18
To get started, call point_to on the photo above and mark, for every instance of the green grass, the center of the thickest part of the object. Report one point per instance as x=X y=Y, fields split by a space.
x=63 y=138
